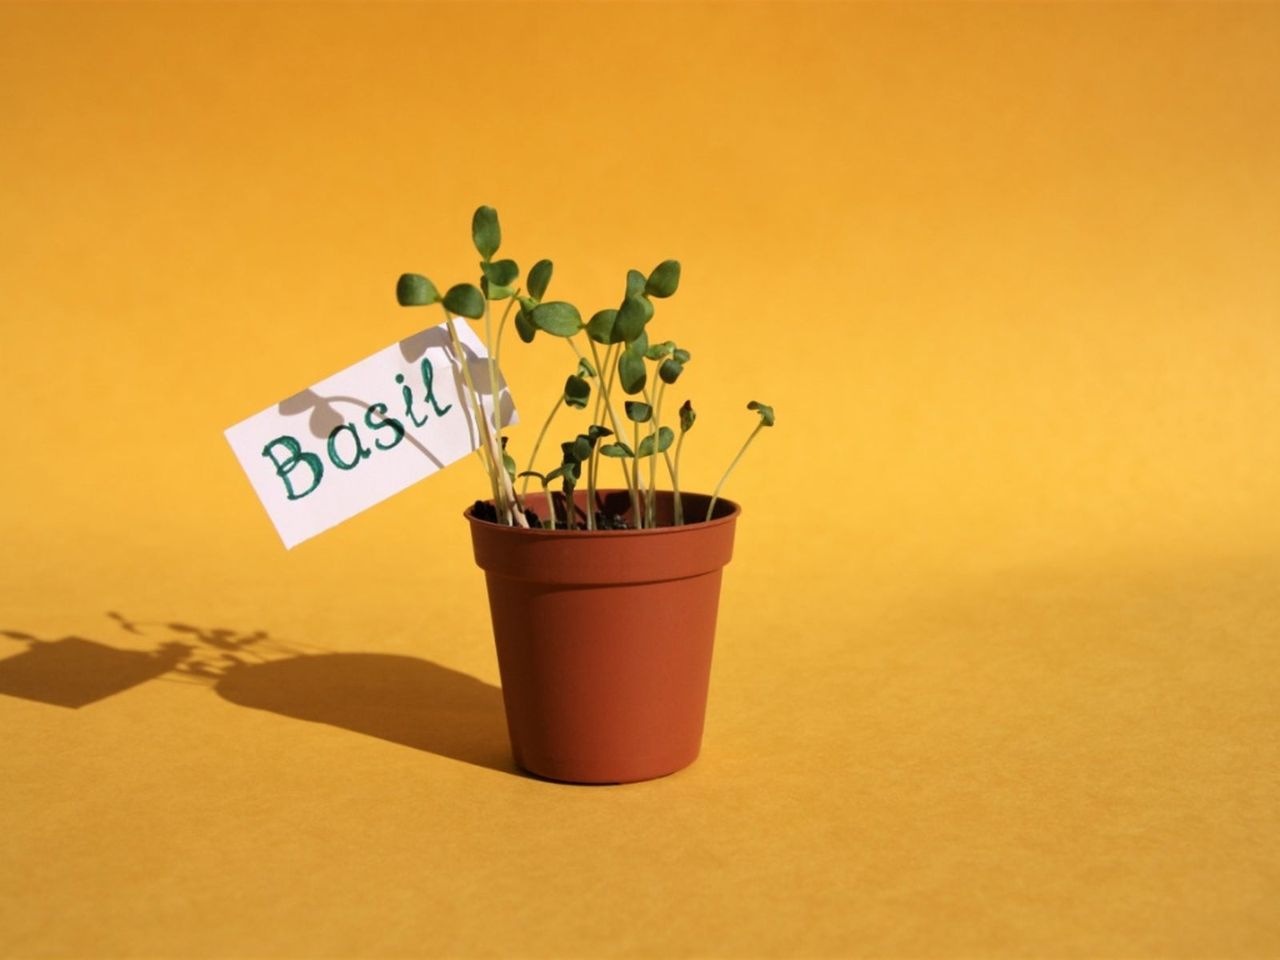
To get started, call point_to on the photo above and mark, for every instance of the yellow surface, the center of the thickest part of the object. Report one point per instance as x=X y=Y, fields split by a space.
x=997 y=671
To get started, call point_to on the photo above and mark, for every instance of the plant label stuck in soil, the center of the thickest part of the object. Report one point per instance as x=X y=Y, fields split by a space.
x=368 y=432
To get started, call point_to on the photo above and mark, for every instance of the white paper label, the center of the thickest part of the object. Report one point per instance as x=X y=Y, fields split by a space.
x=370 y=431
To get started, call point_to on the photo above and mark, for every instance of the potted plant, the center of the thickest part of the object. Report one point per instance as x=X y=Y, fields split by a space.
x=603 y=598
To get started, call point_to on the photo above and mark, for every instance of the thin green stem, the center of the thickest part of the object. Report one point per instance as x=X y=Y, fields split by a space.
x=653 y=464
x=635 y=471
x=716 y=495
x=509 y=508
x=617 y=428
x=595 y=416
x=502 y=325
x=492 y=362
x=478 y=412
x=591 y=491
x=533 y=457
x=666 y=454
x=675 y=484
x=653 y=458
x=613 y=367
x=622 y=462
x=591 y=523
x=549 y=523
x=515 y=509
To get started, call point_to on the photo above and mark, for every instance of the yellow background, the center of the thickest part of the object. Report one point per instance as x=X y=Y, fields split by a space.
x=997 y=665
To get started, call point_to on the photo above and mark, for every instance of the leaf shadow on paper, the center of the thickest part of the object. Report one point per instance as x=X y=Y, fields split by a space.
x=401 y=699
x=325 y=415
x=415 y=347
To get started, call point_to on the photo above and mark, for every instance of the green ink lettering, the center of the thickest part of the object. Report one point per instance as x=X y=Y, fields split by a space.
x=289 y=464
x=428 y=380
x=361 y=450
x=384 y=423
x=408 y=402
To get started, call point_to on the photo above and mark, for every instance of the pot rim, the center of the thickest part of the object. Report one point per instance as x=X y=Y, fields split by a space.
x=735 y=510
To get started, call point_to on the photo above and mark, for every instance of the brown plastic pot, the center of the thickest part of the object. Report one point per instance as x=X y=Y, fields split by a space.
x=604 y=638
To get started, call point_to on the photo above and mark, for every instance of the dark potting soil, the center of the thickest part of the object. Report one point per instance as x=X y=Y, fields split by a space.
x=482 y=510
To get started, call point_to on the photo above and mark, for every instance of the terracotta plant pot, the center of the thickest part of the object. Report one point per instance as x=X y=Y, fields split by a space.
x=604 y=638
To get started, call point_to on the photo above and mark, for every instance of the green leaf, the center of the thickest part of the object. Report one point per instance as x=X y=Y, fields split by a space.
x=557 y=318
x=577 y=392
x=681 y=355
x=464 y=300
x=670 y=370
x=582 y=448
x=539 y=277
x=595 y=432
x=635 y=283
x=600 y=329
x=485 y=232
x=659 y=350
x=415 y=290
x=524 y=325
x=765 y=411
x=508 y=461
x=585 y=369
x=687 y=416
x=494 y=292
x=570 y=462
x=632 y=316
x=665 y=436
x=499 y=277
x=664 y=280
x=616 y=450
x=559 y=471
x=631 y=372
x=501 y=272
x=638 y=412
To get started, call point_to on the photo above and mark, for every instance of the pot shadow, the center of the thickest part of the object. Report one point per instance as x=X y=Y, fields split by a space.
x=400 y=699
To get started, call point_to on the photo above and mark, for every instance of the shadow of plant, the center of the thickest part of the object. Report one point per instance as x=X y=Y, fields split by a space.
x=400 y=699
x=404 y=700
x=74 y=672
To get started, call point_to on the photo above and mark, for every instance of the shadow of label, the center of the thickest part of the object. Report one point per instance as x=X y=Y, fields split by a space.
x=74 y=672
x=403 y=700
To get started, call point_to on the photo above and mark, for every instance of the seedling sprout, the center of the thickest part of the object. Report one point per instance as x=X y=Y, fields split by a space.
x=622 y=359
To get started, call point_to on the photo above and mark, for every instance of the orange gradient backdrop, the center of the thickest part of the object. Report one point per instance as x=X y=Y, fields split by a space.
x=997 y=670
